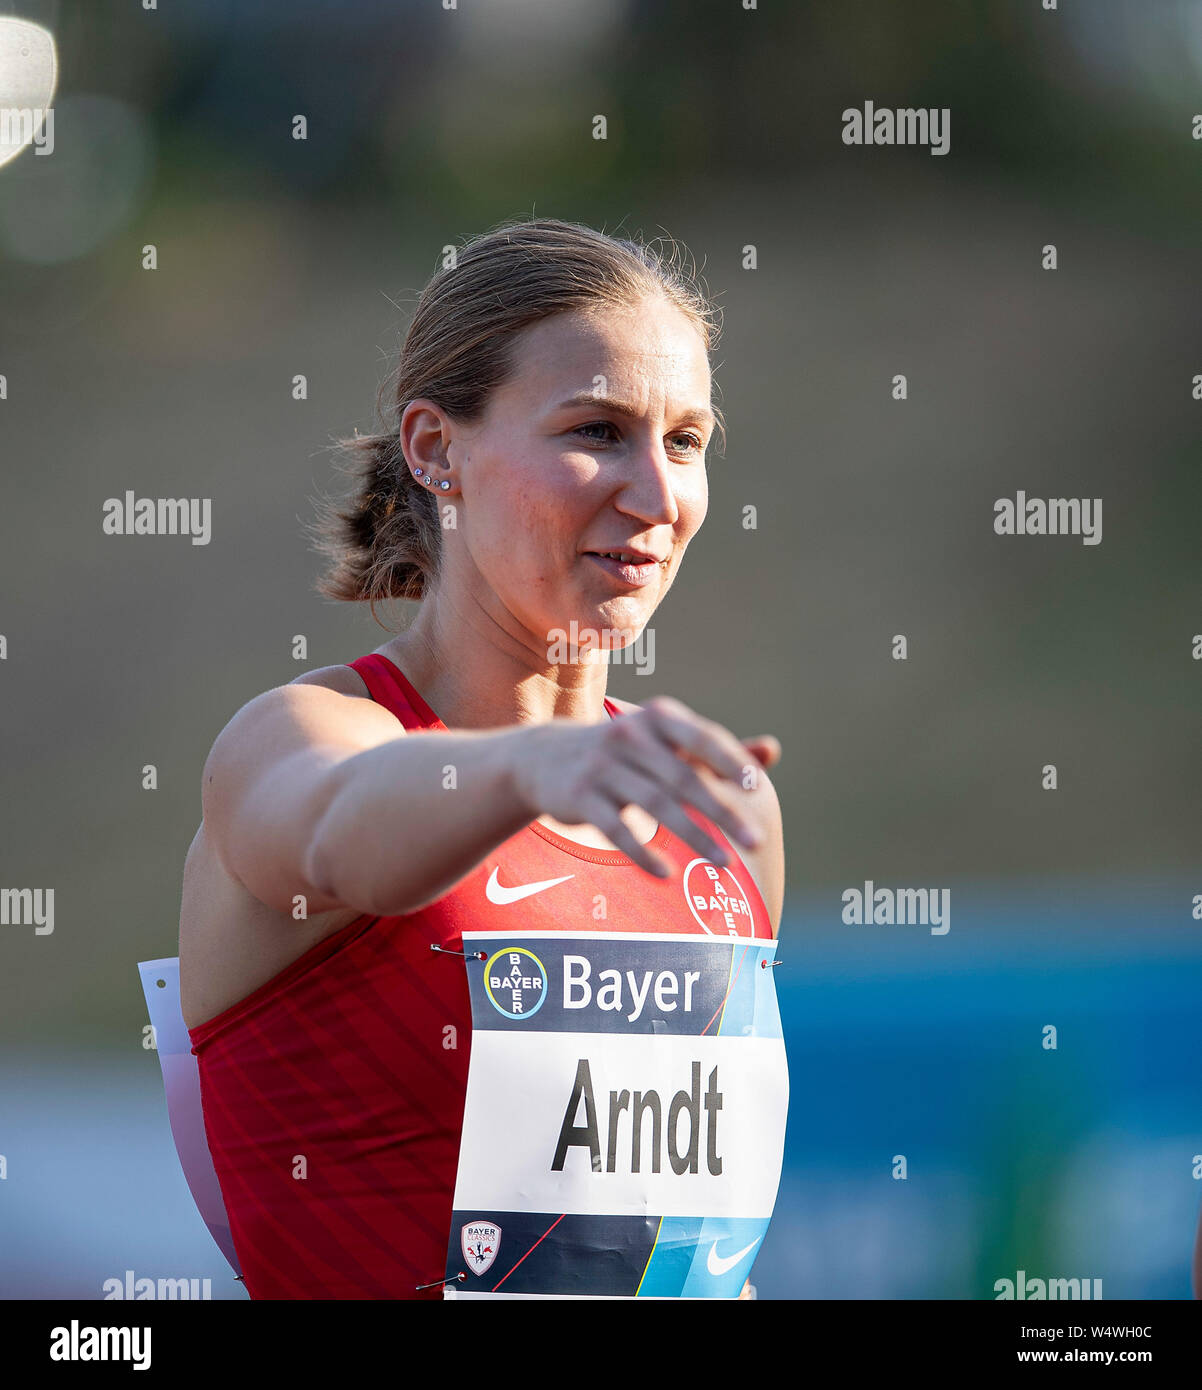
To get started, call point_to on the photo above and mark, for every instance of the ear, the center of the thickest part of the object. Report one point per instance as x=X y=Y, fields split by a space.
x=425 y=432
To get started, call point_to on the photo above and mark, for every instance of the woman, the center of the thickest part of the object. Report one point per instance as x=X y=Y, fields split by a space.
x=546 y=467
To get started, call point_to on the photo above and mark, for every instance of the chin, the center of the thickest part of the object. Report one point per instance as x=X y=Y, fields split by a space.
x=624 y=630
x=614 y=624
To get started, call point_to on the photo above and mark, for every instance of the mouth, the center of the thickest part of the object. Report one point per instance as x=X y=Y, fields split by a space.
x=631 y=568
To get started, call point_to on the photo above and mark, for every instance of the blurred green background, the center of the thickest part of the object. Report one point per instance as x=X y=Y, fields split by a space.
x=875 y=517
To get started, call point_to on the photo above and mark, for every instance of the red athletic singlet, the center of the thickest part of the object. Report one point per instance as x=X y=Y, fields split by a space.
x=333 y=1094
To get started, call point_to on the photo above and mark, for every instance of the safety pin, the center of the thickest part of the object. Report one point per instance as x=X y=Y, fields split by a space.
x=467 y=955
x=439 y=1283
x=764 y=964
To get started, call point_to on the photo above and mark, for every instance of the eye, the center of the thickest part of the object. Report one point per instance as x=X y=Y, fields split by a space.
x=595 y=425
x=692 y=442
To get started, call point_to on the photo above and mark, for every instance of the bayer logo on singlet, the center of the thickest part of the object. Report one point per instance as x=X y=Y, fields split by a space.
x=716 y=899
x=516 y=982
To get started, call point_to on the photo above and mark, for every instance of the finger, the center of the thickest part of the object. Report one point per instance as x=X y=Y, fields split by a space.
x=610 y=824
x=699 y=739
x=765 y=748
x=682 y=784
x=629 y=785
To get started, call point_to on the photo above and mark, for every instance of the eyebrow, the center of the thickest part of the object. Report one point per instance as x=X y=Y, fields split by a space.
x=622 y=408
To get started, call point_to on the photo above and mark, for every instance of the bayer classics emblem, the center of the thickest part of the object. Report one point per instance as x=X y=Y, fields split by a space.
x=480 y=1241
x=516 y=982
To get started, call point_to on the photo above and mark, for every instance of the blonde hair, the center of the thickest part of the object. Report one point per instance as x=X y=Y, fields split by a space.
x=459 y=348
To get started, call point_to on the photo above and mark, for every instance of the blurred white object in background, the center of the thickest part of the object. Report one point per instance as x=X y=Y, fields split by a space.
x=28 y=70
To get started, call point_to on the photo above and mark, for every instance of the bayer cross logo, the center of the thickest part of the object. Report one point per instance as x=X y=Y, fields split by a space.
x=480 y=1241
x=516 y=982
x=716 y=900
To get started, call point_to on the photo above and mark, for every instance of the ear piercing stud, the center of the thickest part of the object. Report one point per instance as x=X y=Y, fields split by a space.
x=429 y=481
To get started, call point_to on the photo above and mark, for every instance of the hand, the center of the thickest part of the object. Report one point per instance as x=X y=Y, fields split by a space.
x=649 y=758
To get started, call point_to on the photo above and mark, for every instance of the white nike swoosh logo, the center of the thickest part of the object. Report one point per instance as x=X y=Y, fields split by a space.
x=497 y=893
x=717 y=1265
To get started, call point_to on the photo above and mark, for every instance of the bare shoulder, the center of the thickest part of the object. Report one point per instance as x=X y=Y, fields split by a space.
x=233 y=939
x=329 y=704
x=767 y=863
x=344 y=679
x=313 y=688
x=326 y=708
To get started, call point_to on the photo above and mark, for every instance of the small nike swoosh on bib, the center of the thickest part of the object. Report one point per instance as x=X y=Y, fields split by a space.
x=497 y=893
x=717 y=1265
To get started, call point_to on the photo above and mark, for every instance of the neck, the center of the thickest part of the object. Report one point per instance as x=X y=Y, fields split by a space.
x=477 y=672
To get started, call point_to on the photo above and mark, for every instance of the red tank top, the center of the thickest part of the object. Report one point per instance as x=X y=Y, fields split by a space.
x=333 y=1094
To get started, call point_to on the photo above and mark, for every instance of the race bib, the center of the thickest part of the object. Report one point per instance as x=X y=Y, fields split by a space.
x=624 y=1120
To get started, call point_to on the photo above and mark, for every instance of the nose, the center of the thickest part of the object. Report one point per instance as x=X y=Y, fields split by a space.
x=648 y=493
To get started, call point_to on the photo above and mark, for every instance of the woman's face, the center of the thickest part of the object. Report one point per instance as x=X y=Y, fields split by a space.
x=596 y=444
